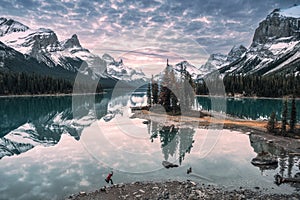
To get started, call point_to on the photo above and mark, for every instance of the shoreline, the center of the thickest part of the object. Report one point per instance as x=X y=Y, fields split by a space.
x=105 y=91
x=244 y=97
x=49 y=95
x=254 y=127
x=176 y=190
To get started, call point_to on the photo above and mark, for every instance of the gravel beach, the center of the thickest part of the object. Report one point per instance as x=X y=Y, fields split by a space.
x=176 y=190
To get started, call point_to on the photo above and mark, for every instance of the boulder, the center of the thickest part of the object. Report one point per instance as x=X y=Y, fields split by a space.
x=168 y=165
x=264 y=158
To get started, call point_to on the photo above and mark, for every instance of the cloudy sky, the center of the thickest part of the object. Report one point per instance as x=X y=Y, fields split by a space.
x=146 y=30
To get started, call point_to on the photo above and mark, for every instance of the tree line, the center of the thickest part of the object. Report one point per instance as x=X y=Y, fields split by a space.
x=262 y=86
x=286 y=120
x=29 y=84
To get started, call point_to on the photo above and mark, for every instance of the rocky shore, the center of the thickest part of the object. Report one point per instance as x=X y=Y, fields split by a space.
x=177 y=190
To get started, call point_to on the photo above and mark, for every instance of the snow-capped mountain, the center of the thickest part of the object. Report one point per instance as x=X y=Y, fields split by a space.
x=275 y=48
x=217 y=61
x=186 y=66
x=43 y=45
x=119 y=70
x=179 y=68
x=12 y=60
x=9 y=26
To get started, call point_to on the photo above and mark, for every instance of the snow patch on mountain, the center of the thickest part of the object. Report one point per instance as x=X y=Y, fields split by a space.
x=296 y=56
x=119 y=70
x=18 y=141
x=278 y=48
x=218 y=61
x=8 y=26
x=186 y=66
x=23 y=134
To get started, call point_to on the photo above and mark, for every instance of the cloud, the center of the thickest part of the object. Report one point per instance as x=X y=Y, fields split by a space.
x=117 y=24
x=202 y=19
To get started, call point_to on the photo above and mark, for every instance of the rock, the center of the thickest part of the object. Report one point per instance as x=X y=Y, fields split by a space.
x=189 y=170
x=155 y=188
x=168 y=165
x=200 y=194
x=141 y=191
x=166 y=195
x=257 y=188
x=82 y=193
x=138 y=196
x=264 y=158
x=192 y=196
x=297 y=175
x=193 y=183
x=120 y=185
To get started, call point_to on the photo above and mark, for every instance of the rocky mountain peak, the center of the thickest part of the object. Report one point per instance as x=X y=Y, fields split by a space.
x=72 y=42
x=281 y=23
x=236 y=52
x=9 y=25
x=108 y=58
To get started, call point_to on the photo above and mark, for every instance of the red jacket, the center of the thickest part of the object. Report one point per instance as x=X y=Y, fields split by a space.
x=109 y=176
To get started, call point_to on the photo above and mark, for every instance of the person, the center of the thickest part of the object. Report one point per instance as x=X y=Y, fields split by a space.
x=108 y=178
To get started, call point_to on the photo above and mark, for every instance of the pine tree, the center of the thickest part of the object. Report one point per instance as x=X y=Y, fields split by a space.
x=149 y=96
x=165 y=93
x=293 y=119
x=271 y=123
x=154 y=91
x=284 y=118
x=174 y=100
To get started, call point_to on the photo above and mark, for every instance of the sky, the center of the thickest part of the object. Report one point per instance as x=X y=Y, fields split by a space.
x=142 y=32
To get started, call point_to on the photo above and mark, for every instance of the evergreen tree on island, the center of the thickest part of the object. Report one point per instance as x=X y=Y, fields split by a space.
x=165 y=93
x=175 y=95
x=149 y=96
x=271 y=123
x=154 y=91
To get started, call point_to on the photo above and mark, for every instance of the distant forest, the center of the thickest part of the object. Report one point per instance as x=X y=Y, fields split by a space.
x=29 y=84
x=261 y=86
x=12 y=83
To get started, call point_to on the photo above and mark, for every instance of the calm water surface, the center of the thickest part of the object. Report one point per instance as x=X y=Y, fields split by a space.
x=51 y=147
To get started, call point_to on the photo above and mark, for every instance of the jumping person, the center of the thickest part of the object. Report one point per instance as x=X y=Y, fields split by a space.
x=108 y=178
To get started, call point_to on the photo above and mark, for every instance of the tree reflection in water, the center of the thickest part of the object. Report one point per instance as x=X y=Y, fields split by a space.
x=174 y=141
x=287 y=164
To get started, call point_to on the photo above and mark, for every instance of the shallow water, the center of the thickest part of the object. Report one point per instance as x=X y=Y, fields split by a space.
x=246 y=108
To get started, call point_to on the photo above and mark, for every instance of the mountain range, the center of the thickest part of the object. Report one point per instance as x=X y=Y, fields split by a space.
x=275 y=49
x=40 y=51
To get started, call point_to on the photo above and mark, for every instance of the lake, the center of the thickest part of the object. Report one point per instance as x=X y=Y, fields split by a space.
x=51 y=147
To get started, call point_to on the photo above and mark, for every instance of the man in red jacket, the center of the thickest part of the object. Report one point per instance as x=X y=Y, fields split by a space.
x=108 y=178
